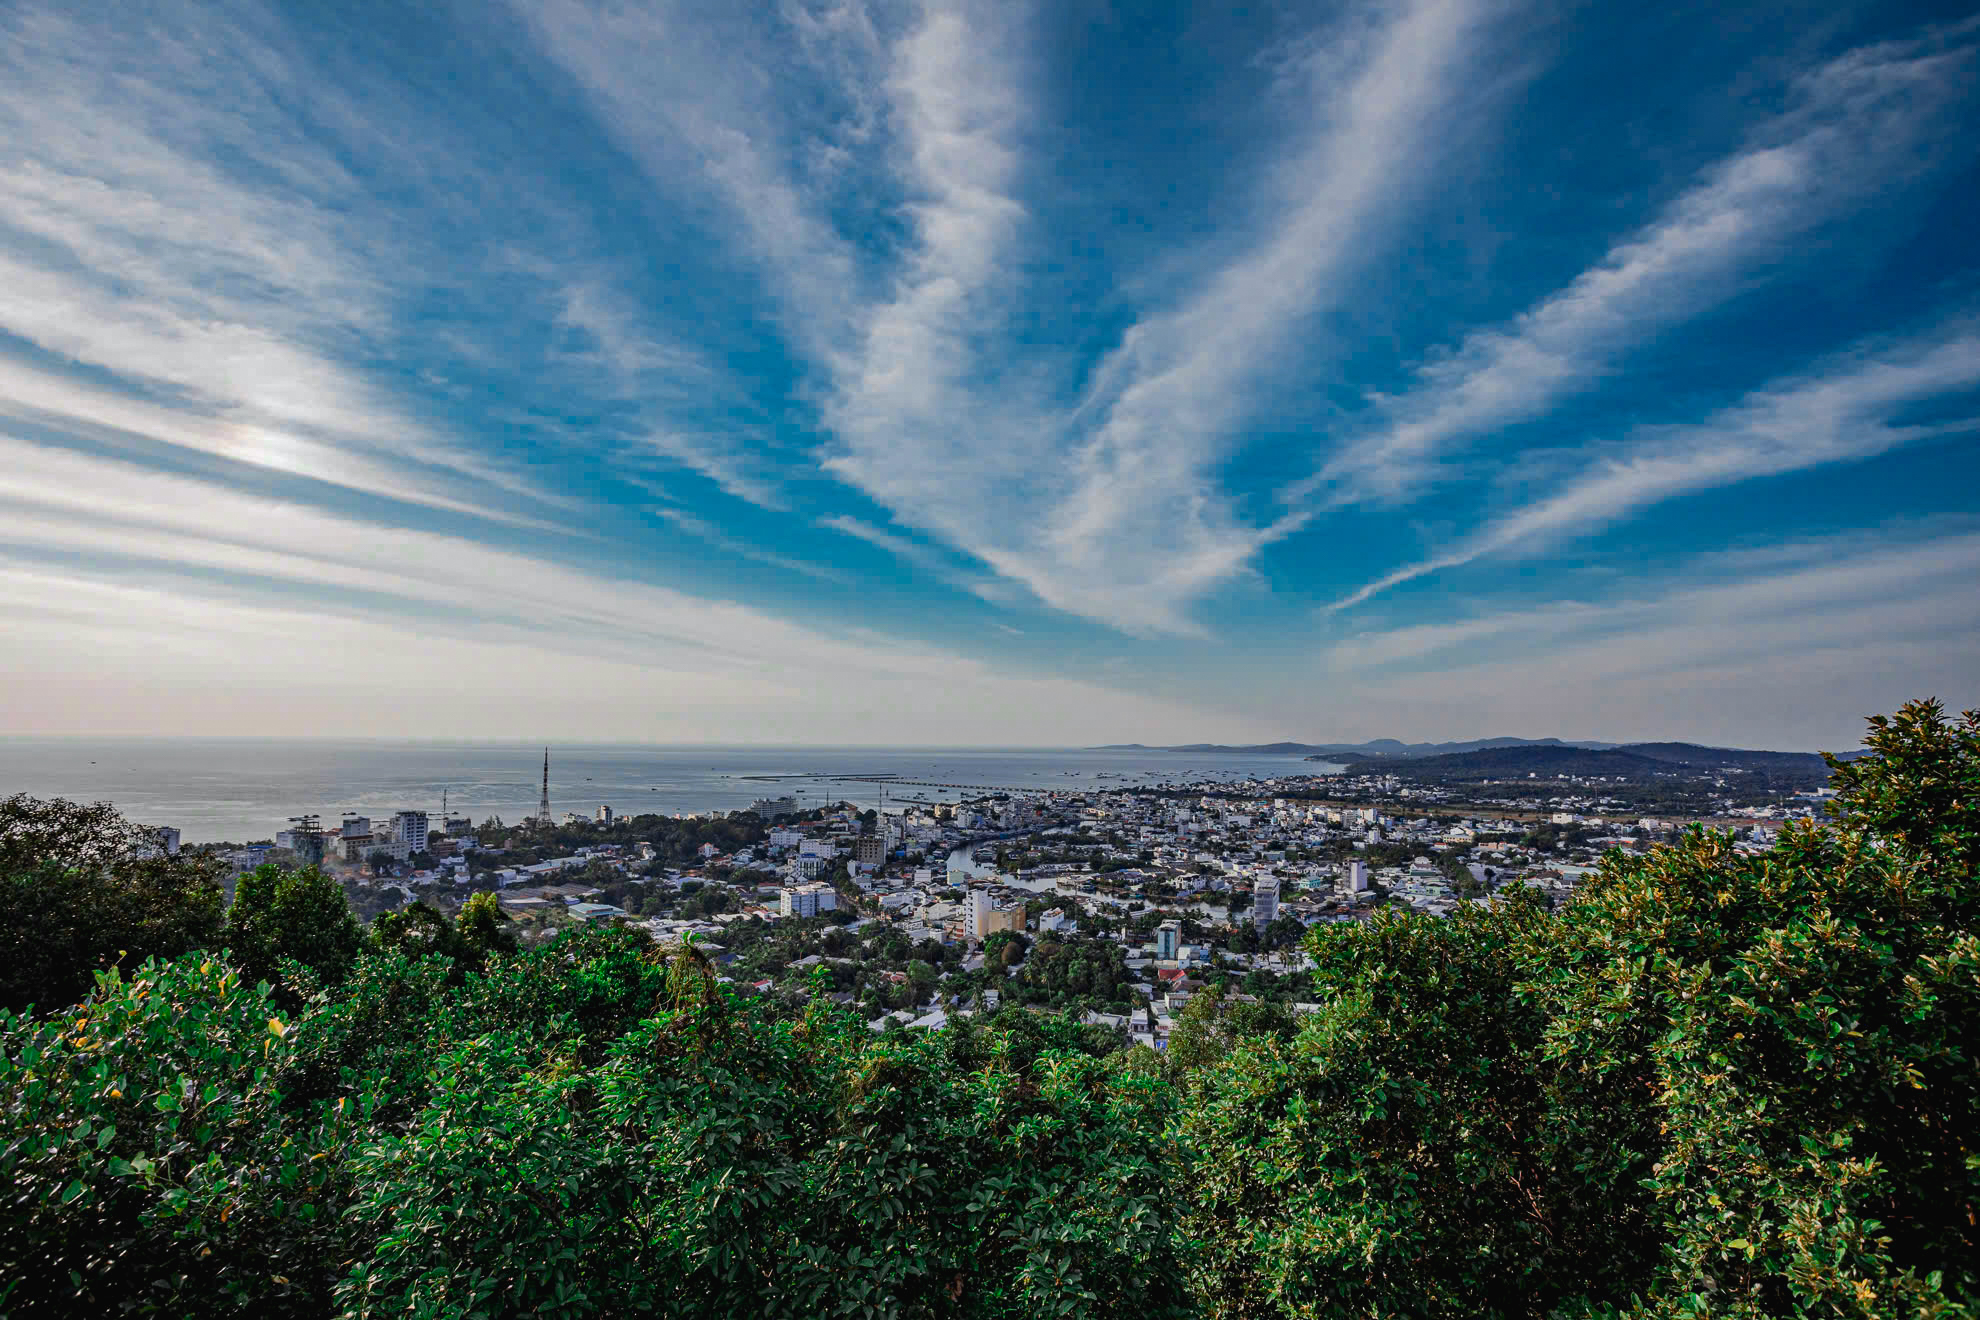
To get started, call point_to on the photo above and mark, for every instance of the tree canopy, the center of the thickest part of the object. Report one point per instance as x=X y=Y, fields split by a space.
x=81 y=889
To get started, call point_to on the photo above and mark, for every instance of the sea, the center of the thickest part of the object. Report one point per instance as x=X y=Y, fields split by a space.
x=238 y=790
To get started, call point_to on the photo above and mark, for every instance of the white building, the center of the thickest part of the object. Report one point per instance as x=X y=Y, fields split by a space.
x=1053 y=920
x=976 y=913
x=1354 y=879
x=808 y=900
x=1265 y=903
x=410 y=829
x=604 y=815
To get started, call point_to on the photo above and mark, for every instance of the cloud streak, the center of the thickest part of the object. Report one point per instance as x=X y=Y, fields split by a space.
x=1122 y=520
x=226 y=303
x=1845 y=413
x=1790 y=649
x=1855 y=127
x=95 y=553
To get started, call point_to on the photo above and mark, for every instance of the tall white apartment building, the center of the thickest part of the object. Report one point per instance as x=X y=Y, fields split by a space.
x=976 y=913
x=410 y=829
x=1265 y=902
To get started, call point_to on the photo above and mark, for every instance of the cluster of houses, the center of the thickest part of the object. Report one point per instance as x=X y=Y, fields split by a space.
x=1091 y=862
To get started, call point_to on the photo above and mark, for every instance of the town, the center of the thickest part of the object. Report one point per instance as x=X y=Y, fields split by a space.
x=1117 y=905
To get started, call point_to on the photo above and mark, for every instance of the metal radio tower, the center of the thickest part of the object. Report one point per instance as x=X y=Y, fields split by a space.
x=543 y=807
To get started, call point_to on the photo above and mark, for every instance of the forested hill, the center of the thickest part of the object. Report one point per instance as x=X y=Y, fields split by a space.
x=1638 y=762
x=1729 y=758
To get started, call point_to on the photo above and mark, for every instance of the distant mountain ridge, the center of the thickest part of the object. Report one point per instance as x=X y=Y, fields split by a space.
x=1557 y=754
x=1337 y=751
x=1638 y=761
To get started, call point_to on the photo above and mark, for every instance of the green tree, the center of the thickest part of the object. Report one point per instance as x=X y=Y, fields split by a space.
x=417 y=929
x=484 y=929
x=82 y=888
x=300 y=914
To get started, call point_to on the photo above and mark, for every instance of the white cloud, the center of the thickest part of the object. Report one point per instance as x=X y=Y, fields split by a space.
x=137 y=598
x=721 y=540
x=1790 y=648
x=237 y=305
x=160 y=658
x=695 y=100
x=1845 y=412
x=927 y=559
x=1855 y=128
x=1112 y=512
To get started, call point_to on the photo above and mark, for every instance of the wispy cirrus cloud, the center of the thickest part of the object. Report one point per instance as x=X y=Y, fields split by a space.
x=669 y=389
x=207 y=260
x=1851 y=409
x=700 y=527
x=704 y=103
x=1856 y=126
x=1107 y=506
x=111 y=569
x=937 y=565
x=1110 y=508
x=1732 y=649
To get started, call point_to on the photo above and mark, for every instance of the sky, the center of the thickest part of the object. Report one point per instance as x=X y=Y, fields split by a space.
x=1006 y=373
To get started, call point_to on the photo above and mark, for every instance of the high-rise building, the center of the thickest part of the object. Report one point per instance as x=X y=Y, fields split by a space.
x=870 y=849
x=1265 y=902
x=304 y=837
x=604 y=815
x=354 y=839
x=409 y=830
x=1168 y=939
x=977 y=912
x=1354 y=879
x=982 y=918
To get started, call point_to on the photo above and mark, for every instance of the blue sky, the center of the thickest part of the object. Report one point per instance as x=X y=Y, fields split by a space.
x=954 y=372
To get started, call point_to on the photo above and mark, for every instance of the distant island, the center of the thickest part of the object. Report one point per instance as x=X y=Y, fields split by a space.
x=1549 y=754
x=1638 y=762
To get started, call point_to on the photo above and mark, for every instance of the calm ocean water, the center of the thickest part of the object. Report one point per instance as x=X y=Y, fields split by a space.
x=241 y=789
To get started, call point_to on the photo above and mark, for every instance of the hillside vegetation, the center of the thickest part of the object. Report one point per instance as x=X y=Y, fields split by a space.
x=1715 y=1084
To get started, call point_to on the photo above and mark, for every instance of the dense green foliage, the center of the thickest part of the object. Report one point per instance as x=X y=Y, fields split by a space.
x=301 y=914
x=1716 y=1083
x=82 y=889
